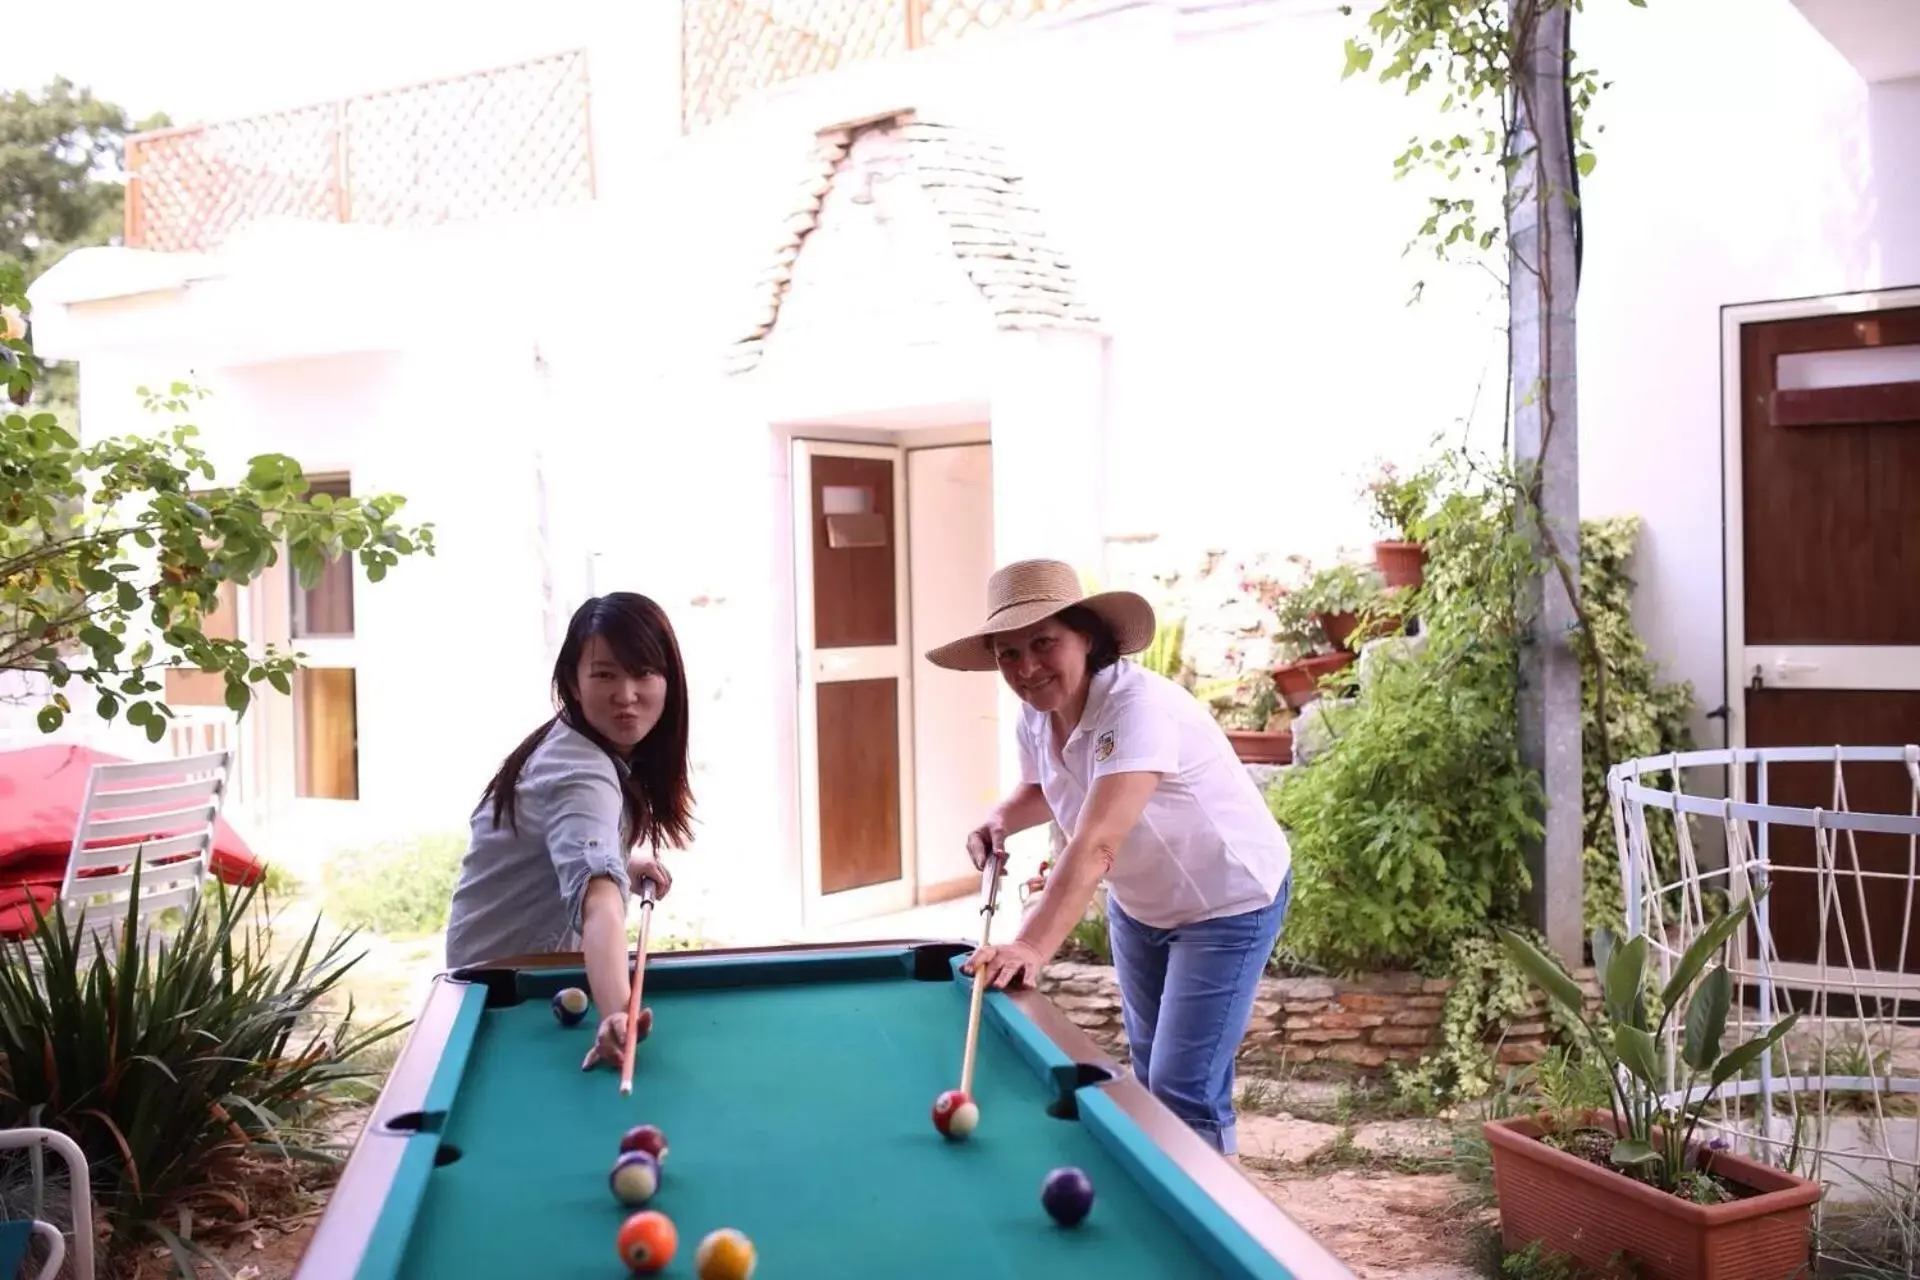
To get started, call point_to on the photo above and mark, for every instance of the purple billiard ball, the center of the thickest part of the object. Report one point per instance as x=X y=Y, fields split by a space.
x=1067 y=1195
x=635 y=1178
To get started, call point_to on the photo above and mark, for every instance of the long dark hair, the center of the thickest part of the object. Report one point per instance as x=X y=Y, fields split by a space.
x=659 y=801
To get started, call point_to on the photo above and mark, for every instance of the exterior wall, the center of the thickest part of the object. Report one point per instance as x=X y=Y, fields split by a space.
x=1257 y=352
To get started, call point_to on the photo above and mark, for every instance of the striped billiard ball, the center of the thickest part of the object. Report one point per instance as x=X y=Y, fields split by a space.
x=635 y=1178
x=570 y=1005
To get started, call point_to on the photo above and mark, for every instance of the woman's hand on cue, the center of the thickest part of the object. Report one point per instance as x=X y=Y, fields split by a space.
x=1011 y=964
x=644 y=866
x=610 y=1042
x=990 y=837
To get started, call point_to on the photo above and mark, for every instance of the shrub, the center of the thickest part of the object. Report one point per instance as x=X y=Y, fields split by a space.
x=398 y=888
x=1645 y=716
x=1410 y=831
x=174 y=1063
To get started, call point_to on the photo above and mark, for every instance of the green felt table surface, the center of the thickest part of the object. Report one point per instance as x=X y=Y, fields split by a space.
x=798 y=1113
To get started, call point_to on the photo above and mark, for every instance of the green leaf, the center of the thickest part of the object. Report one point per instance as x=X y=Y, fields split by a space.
x=1707 y=1019
x=1628 y=1153
x=49 y=719
x=1695 y=958
x=1623 y=986
x=1638 y=1052
x=1585 y=164
x=1743 y=1056
x=238 y=696
x=1546 y=972
x=156 y=729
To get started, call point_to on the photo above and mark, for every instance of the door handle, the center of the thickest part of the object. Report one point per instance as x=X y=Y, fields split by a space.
x=1786 y=669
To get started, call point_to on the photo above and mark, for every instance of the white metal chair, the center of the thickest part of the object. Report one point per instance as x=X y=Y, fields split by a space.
x=158 y=815
x=16 y=1234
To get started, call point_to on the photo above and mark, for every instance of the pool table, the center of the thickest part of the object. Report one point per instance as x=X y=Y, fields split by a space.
x=795 y=1086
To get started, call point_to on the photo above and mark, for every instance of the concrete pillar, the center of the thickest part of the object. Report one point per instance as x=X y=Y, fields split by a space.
x=1543 y=286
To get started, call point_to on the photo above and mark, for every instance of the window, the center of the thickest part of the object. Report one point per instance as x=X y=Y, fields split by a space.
x=326 y=734
x=189 y=686
x=326 y=609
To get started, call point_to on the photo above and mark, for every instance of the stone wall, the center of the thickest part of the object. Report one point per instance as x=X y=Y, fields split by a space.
x=1364 y=1022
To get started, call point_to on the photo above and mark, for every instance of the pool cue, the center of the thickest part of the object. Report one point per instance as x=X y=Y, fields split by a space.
x=990 y=886
x=639 y=979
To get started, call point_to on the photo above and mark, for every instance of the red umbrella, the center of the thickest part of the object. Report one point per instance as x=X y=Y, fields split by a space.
x=41 y=789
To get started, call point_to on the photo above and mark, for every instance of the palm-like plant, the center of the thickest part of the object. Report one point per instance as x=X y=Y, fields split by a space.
x=1654 y=1137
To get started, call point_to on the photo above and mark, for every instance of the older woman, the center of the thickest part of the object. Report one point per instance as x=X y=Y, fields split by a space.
x=1152 y=801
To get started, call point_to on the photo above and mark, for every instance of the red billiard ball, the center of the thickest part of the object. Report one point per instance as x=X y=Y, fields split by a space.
x=648 y=1241
x=647 y=1138
x=955 y=1115
x=1067 y=1196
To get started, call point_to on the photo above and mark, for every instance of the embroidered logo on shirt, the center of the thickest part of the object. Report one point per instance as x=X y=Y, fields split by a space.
x=1103 y=746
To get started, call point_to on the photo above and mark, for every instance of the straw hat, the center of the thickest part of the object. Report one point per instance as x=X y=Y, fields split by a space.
x=1026 y=591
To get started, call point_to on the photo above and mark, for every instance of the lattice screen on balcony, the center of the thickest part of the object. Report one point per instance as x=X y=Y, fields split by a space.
x=500 y=141
x=732 y=49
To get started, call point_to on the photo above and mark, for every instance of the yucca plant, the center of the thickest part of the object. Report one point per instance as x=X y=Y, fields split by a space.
x=1653 y=1138
x=171 y=1060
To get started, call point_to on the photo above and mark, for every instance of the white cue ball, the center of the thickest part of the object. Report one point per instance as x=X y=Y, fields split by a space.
x=965 y=1119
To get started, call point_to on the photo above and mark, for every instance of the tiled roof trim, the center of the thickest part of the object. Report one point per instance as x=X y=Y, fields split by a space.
x=994 y=229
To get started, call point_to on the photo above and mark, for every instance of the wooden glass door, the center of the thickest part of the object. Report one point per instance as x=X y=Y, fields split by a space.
x=1823 y=507
x=855 y=680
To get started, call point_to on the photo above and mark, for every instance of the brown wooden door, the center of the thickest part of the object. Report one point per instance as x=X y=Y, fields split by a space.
x=1824 y=624
x=854 y=671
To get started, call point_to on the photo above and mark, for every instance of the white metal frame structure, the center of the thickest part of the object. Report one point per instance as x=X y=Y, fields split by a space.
x=1860 y=1028
x=79 y=1190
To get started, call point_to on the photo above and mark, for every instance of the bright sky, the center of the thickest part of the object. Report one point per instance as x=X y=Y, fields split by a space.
x=211 y=59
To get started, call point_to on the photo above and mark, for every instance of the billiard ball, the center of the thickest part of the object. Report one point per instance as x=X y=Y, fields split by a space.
x=1068 y=1196
x=725 y=1254
x=570 y=1005
x=647 y=1138
x=955 y=1115
x=635 y=1177
x=647 y=1241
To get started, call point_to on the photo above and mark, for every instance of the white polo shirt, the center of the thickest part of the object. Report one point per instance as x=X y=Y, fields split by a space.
x=1206 y=845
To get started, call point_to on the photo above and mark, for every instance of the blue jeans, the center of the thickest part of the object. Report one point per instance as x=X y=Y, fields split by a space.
x=1186 y=996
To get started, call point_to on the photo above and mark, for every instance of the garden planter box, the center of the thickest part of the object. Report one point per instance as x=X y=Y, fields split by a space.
x=1574 y=1207
x=1259 y=747
x=1401 y=564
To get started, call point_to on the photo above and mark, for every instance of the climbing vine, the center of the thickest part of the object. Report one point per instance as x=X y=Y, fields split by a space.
x=1473 y=54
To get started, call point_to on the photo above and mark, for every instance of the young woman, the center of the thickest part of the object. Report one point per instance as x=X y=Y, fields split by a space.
x=576 y=816
x=1152 y=800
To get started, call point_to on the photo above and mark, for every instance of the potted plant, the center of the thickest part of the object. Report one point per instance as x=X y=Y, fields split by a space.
x=1247 y=708
x=1633 y=1184
x=1302 y=651
x=1336 y=595
x=1399 y=506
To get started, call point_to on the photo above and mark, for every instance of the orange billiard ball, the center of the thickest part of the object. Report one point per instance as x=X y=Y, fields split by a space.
x=647 y=1241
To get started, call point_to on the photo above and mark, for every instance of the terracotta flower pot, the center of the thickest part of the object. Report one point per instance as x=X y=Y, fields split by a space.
x=1253 y=746
x=1598 y=1216
x=1401 y=564
x=1299 y=682
x=1338 y=626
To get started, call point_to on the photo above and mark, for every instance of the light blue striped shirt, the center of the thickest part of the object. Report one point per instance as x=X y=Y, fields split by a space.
x=520 y=892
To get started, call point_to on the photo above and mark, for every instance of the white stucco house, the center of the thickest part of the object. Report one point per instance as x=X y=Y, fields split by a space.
x=1117 y=285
